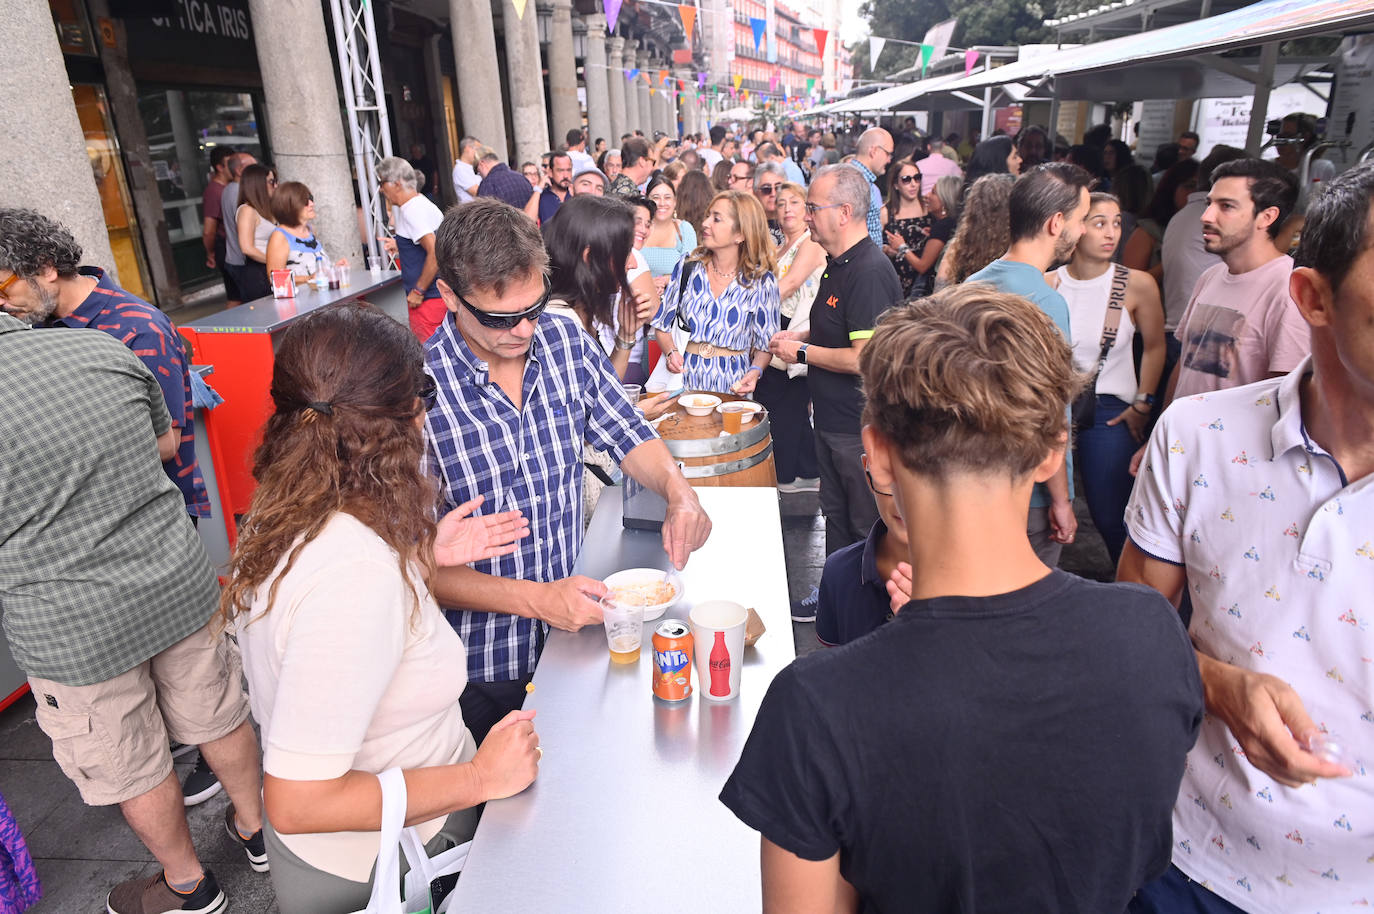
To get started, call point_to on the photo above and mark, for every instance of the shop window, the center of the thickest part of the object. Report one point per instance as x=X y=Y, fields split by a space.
x=102 y=149
x=184 y=127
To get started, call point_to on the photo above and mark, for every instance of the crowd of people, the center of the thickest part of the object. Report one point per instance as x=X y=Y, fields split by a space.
x=946 y=336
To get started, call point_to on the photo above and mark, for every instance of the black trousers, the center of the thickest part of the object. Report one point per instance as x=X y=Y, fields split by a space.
x=788 y=401
x=846 y=500
x=485 y=703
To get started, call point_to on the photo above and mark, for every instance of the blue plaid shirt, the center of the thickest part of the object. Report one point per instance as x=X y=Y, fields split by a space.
x=528 y=460
x=875 y=204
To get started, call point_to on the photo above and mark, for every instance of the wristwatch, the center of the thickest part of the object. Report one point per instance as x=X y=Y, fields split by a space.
x=1147 y=399
x=801 y=353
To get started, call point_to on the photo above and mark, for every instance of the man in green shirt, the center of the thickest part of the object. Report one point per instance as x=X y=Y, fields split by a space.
x=108 y=598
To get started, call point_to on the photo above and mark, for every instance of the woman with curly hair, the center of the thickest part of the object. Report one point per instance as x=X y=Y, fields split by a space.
x=984 y=231
x=727 y=301
x=351 y=666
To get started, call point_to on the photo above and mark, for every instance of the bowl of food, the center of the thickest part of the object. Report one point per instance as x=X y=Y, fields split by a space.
x=748 y=410
x=646 y=587
x=699 y=404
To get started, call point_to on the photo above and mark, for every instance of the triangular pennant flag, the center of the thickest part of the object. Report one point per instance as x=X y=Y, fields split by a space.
x=681 y=86
x=631 y=74
x=810 y=86
x=759 y=26
x=738 y=78
x=926 y=51
x=744 y=96
x=689 y=18
x=612 y=10
x=970 y=59
x=520 y=7
x=773 y=82
x=875 y=50
x=662 y=76
x=652 y=90
x=701 y=80
x=821 y=35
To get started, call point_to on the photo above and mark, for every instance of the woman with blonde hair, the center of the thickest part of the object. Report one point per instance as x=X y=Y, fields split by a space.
x=783 y=388
x=984 y=231
x=724 y=295
x=352 y=668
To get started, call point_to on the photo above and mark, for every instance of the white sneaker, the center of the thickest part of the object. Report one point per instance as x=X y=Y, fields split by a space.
x=804 y=610
x=807 y=484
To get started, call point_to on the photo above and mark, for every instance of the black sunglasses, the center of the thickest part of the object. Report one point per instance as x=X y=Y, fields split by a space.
x=428 y=392
x=507 y=321
x=768 y=189
x=907 y=179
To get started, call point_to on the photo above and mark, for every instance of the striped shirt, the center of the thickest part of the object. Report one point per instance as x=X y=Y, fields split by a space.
x=528 y=460
x=150 y=335
x=100 y=569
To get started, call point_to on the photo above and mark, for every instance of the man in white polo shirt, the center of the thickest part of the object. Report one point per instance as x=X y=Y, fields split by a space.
x=1257 y=500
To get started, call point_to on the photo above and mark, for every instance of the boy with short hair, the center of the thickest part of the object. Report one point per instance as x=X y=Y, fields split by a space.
x=1014 y=738
x=853 y=597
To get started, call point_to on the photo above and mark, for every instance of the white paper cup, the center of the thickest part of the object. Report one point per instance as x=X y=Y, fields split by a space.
x=718 y=646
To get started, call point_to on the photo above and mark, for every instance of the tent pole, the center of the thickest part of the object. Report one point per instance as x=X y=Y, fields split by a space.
x=1054 y=120
x=1269 y=55
x=987 y=100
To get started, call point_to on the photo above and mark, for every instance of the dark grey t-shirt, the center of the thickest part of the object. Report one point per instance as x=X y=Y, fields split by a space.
x=100 y=567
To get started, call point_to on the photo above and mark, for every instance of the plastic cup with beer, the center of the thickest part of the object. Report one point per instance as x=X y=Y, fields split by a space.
x=718 y=643
x=732 y=419
x=624 y=629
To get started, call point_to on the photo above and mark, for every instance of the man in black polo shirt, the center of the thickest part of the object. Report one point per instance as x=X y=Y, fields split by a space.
x=858 y=285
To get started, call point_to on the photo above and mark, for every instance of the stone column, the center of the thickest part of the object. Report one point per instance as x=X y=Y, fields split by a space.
x=615 y=88
x=479 y=80
x=525 y=73
x=306 y=131
x=564 y=110
x=43 y=163
x=595 y=76
x=645 y=119
x=439 y=151
x=687 y=101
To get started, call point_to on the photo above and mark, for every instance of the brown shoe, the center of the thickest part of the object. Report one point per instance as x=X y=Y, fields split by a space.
x=152 y=895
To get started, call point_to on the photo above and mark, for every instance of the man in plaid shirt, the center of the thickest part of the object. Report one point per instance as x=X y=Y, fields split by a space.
x=519 y=394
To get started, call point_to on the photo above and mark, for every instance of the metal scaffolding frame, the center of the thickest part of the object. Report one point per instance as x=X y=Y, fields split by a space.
x=369 y=131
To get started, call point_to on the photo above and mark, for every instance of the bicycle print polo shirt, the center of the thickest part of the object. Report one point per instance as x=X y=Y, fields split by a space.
x=1279 y=552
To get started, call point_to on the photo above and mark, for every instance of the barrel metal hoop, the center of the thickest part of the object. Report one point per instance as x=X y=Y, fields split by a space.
x=714 y=447
x=724 y=469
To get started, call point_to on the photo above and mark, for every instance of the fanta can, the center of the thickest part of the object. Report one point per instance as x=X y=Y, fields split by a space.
x=672 y=644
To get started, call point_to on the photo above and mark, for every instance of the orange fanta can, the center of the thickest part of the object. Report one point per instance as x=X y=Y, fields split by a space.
x=672 y=644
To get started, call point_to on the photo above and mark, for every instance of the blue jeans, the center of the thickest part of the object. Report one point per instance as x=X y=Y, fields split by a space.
x=1104 y=459
x=1175 y=893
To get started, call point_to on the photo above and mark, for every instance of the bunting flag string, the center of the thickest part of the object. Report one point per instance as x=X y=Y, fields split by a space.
x=631 y=74
x=821 y=35
x=759 y=26
x=612 y=10
x=970 y=60
x=520 y=7
x=738 y=79
x=701 y=80
x=875 y=50
x=926 y=51
x=662 y=76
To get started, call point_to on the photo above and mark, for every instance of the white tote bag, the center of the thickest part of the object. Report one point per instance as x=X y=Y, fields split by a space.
x=388 y=894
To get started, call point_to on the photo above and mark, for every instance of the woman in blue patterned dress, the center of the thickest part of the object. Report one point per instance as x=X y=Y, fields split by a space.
x=728 y=302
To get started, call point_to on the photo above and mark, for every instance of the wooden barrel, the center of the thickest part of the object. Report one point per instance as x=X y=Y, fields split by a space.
x=709 y=459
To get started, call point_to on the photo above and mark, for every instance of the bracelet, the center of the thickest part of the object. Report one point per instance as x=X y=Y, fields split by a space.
x=754 y=368
x=624 y=344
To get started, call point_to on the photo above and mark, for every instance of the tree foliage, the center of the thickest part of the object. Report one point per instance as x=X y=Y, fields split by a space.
x=981 y=22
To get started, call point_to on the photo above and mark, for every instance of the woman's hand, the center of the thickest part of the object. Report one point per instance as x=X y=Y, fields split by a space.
x=894 y=240
x=508 y=759
x=655 y=405
x=644 y=308
x=461 y=539
x=1135 y=421
x=748 y=382
x=661 y=283
x=675 y=362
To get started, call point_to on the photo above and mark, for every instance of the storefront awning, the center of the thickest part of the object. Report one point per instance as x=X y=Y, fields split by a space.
x=897 y=98
x=1180 y=61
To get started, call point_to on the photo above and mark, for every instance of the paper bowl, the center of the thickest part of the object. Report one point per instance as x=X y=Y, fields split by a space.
x=748 y=410
x=698 y=404
x=635 y=576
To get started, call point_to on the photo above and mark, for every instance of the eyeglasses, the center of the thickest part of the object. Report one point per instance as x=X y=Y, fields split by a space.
x=768 y=189
x=907 y=179
x=869 y=476
x=428 y=392
x=734 y=179
x=812 y=208
x=4 y=286
x=507 y=321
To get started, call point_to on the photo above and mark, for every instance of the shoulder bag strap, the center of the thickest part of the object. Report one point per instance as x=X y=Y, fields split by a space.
x=1115 y=303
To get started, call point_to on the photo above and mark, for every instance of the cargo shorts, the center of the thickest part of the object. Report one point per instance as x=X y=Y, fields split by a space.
x=110 y=738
